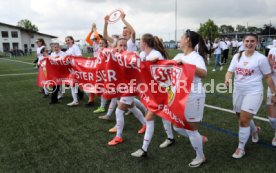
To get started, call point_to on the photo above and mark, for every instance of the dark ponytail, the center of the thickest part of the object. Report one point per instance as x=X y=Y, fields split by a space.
x=155 y=43
x=158 y=45
x=202 y=49
x=240 y=54
x=196 y=39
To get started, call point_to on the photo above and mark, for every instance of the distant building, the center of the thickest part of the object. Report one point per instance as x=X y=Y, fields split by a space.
x=14 y=37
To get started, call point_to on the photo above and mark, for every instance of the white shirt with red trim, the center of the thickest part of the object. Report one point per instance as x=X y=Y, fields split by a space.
x=249 y=72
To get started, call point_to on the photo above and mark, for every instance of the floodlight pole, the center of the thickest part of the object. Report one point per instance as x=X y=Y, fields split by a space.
x=175 y=38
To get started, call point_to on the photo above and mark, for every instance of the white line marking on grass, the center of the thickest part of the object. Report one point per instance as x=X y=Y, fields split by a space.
x=17 y=74
x=17 y=61
x=230 y=111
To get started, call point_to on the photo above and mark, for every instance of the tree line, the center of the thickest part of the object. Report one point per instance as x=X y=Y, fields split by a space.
x=210 y=30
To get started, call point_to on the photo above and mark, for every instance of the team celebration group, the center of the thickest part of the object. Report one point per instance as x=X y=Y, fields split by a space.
x=248 y=67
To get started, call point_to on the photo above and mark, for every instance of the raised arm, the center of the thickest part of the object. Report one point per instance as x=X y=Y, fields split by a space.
x=105 y=34
x=123 y=15
x=88 y=40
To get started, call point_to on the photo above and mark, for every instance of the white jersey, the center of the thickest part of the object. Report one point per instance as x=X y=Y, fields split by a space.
x=234 y=43
x=96 y=49
x=131 y=47
x=39 y=54
x=208 y=45
x=74 y=50
x=272 y=53
x=249 y=72
x=151 y=56
x=228 y=43
x=223 y=45
x=60 y=53
x=217 y=48
x=240 y=45
x=197 y=60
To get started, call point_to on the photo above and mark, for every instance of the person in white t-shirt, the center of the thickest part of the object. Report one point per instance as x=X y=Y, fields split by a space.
x=195 y=103
x=234 y=44
x=98 y=43
x=124 y=104
x=153 y=50
x=73 y=50
x=128 y=33
x=41 y=47
x=95 y=41
x=56 y=53
x=217 y=54
x=240 y=46
x=209 y=47
x=225 y=49
x=249 y=68
x=39 y=51
x=271 y=108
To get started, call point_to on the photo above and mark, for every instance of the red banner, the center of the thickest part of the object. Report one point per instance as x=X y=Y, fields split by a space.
x=163 y=86
x=120 y=71
x=170 y=85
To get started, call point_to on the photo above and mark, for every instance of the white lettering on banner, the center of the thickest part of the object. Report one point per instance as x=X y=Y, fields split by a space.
x=106 y=77
x=91 y=64
x=108 y=54
x=82 y=75
x=135 y=63
x=122 y=60
x=165 y=109
x=62 y=61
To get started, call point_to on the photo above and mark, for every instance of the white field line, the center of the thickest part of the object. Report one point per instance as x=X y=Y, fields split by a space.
x=16 y=61
x=17 y=74
x=230 y=111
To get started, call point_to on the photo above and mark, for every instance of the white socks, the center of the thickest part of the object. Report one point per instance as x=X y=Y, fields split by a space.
x=168 y=128
x=253 y=127
x=74 y=94
x=244 y=133
x=140 y=105
x=138 y=114
x=181 y=131
x=148 y=134
x=103 y=102
x=112 y=106
x=272 y=122
x=196 y=141
x=45 y=91
x=120 y=122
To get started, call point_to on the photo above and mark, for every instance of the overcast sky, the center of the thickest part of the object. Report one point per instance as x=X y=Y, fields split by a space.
x=74 y=17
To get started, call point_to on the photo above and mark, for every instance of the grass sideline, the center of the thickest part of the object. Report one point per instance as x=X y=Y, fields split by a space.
x=38 y=137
